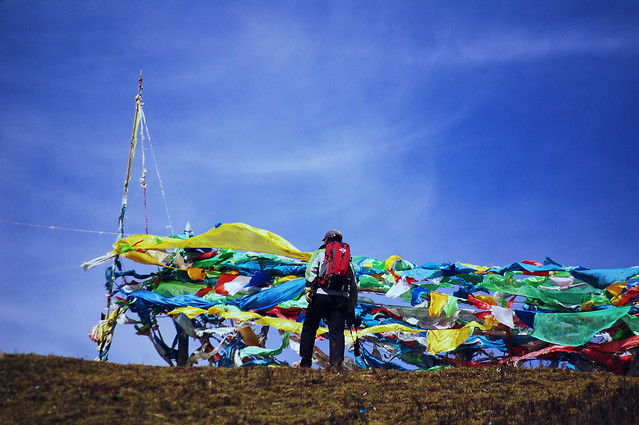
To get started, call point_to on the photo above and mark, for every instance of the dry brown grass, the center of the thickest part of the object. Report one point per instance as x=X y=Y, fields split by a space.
x=51 y=389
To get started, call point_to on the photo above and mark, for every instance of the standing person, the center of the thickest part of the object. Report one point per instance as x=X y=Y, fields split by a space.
x=331 y=292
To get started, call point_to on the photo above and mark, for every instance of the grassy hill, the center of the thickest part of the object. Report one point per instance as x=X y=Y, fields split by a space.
x=49 y=390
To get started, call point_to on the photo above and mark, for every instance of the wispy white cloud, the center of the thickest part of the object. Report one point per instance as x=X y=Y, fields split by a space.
x=505 y=45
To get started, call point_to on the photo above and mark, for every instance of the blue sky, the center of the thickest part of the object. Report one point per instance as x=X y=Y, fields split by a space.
x=485 y=132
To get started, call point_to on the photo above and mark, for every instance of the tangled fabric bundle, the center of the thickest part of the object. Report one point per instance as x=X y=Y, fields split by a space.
x=229 y=289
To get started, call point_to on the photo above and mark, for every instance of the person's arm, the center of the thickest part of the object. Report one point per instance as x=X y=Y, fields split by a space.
x=352 y=291
x=312 y=271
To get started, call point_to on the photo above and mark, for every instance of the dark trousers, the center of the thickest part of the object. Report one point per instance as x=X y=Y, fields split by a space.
x=331 y=308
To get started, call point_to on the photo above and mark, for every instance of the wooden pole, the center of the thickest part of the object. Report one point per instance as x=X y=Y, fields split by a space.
x=136 y=122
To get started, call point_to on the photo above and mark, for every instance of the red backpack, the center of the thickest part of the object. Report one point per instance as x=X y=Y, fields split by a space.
x=334 y=271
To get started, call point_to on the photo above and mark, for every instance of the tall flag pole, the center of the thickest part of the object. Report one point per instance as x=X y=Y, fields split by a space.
x=109 y=319
x=134 y=140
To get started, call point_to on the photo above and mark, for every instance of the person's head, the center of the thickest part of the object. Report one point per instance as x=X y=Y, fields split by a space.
x=332 y=236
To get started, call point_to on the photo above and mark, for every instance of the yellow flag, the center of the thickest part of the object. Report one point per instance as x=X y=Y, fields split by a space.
x=238 y=236
x=437 y=303
x=443 y=340
x=616 y=288
x=190 y=312
x=196 y=273
x=390 y=262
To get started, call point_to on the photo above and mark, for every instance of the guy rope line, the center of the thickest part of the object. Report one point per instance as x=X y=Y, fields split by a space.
x=145 y=128
x=57 y=227
x=143 y=178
